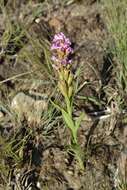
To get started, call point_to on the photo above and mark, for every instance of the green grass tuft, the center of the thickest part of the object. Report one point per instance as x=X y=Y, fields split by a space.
x=116 y=19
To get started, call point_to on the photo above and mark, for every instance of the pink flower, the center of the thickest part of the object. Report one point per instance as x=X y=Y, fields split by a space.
x=61 y=50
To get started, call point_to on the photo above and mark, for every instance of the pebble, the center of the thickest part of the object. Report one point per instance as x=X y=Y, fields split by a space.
x=78 y=11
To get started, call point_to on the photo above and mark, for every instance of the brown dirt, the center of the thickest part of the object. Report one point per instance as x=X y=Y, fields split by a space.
x=102 y=140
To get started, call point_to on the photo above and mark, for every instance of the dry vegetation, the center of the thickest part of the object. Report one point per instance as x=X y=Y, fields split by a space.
x=34 y=151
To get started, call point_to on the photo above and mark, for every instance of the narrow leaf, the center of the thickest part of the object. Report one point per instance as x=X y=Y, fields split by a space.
x=56 y=105
x=68 y=120
x=78 y=121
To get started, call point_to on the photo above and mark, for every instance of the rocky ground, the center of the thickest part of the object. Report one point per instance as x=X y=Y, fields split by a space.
x=26 y=116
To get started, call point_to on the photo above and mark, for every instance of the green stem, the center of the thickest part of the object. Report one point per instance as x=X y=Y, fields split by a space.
x=74 y=133
x=73 y=130
x=75 y=146
x=69 y=107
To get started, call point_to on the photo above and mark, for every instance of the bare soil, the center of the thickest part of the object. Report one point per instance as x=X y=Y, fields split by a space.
x=103 y=140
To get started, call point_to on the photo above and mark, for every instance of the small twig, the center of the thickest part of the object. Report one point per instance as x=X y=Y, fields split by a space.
x=16 y=76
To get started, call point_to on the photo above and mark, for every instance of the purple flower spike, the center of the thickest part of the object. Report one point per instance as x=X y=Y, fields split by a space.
x=61 y=49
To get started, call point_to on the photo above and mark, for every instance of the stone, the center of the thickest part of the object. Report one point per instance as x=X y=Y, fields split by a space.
x=24 y=105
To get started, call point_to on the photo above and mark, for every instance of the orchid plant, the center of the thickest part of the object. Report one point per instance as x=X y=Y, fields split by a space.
x=61 y=51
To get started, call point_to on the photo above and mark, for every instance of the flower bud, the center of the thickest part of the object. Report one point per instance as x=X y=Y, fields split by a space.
x=70 y=91
x=70 y=78
x=66 y=73
x=21 y=153
x=61 y=74
x=62 y=87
